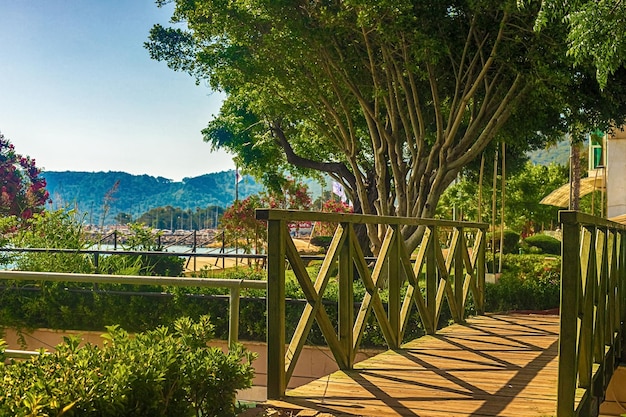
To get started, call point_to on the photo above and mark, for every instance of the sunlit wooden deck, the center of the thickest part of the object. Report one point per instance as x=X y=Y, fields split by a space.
x=495 y=365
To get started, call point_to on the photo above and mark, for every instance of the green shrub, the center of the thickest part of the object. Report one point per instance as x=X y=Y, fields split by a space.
x=547 y=244
x=528 y=282
x=164 y=372
x=321 y=241
x=511 y=241
x=63 y=229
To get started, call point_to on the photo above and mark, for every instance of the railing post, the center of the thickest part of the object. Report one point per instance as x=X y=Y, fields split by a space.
x=195 y=242
x=621 y=292
x=223 y=249
x=480 y=273
x=601 y=313
x=96 y=257
x=431 y=279
x=276 y=377
x=570 y=277
x=233 y=316
x=346 y=296
x=459 y=274
x=394 y=284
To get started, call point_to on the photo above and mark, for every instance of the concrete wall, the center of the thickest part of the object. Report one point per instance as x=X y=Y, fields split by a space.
x=616 y=174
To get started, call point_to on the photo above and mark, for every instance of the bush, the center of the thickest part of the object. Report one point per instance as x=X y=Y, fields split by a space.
x=164 y=372
x=528 y=282
x=321 y=241
x=547 y=244
x=511 y=240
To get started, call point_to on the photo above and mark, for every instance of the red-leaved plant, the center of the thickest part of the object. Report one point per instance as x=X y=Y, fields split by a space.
x=22 y=189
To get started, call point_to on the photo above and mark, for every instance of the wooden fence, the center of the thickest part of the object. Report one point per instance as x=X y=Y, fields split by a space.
x=433 y=274
x=593 y=308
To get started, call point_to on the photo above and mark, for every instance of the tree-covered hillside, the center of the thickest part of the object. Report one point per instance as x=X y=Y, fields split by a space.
x=93 y=193
x=557 y=154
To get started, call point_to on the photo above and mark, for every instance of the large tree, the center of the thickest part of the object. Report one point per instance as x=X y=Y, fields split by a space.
x=392 y=98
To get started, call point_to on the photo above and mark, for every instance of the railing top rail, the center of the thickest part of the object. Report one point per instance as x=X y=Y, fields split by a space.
x=293 y=215
x=132 y=279
x=576 y=217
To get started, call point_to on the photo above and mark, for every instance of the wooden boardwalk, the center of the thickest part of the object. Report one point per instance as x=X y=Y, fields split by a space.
x=494 y=365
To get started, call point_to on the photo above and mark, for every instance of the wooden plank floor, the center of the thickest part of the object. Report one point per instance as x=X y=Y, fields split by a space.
x=495 y=365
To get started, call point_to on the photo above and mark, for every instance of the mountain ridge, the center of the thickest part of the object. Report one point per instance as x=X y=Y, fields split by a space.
x=135 y=194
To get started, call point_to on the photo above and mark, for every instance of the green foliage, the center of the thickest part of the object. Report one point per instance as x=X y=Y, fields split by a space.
x=239 y=220
x=59 y=229
x=381 y=129
x=511 y=240
x=331 y=206
x=546 y=244
x=528 y=282
x=557 y=154
x=163 y=372
x=241 y=226
x=142 y=238
x=595 y=32
x=321 y=241
x=524 y=190
x=8 y=225
x=62 y=229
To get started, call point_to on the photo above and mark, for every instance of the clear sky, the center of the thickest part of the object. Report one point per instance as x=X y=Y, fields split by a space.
x=79 y=92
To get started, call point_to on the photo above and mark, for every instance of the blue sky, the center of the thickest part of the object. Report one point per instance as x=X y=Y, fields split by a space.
x=79 y=92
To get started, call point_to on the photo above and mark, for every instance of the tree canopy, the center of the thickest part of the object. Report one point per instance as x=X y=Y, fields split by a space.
x=595 y=32
x=525 y=189
x=392 y=98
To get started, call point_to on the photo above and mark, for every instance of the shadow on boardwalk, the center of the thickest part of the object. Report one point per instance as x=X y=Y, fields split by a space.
x=496 y=365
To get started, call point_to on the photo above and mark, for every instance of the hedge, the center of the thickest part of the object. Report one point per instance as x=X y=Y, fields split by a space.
x=546 y=244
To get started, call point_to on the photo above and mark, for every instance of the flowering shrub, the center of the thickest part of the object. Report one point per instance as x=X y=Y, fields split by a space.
x=240 y=224
x=293 y=195
x=22 y=191
x=331 y=206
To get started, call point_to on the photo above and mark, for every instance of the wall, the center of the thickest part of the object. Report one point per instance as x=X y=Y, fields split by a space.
x=616 y=174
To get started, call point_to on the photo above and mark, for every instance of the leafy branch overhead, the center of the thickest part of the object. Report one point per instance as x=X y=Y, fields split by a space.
x=595 y=32
x=393 y=99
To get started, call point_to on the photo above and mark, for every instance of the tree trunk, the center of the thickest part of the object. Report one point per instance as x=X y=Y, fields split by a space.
x=575 y=175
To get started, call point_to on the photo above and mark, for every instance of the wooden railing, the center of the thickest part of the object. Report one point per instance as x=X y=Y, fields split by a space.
x=593 y=310
x=426 y=279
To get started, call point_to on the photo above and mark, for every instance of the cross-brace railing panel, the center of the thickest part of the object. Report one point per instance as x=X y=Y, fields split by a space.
x=431 y=278
x=592 y=311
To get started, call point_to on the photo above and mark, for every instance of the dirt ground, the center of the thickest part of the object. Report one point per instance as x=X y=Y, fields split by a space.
x=214 y=264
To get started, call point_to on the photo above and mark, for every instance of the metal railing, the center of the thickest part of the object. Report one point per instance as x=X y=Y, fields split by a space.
x=451 y=277
x=234 y=286
x=223 y=254
x=593 y=310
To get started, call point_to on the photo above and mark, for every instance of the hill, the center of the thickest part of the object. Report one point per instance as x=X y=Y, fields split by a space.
x=557 y=154
x=136 y=194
